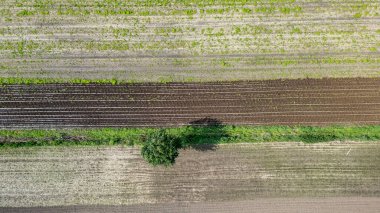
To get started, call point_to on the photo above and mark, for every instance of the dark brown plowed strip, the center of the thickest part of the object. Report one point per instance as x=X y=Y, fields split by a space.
x=285 y=102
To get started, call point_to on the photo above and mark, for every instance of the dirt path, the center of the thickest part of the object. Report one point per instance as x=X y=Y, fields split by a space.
x=290 y=102
x=307 y=205
x=56 y=176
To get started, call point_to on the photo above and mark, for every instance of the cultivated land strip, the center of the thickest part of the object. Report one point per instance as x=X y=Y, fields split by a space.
x=288 y=102
x=307 y=205
x=67 y=176
x=193 y=40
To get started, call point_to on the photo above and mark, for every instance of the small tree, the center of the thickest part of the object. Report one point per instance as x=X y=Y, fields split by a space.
x=160 y=149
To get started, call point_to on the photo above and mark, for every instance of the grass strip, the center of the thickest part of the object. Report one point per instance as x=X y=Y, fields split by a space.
x=164 y=80
x=30 y=81
x=189 y=135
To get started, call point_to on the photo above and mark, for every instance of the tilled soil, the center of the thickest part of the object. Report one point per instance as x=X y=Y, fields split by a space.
x=285 y=102
x=71 y=176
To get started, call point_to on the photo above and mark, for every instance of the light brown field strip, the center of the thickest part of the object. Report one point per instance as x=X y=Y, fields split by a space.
x=189 y=40
x=292 y=102
x=270 y=205
x=67 y=176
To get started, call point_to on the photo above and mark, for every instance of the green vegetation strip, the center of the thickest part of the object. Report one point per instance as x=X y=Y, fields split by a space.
x=163 y=80
x=28 y=81
x=187 y=136
x=33 y=81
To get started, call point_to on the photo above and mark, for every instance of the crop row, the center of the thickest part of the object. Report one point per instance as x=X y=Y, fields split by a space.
x=175 y=41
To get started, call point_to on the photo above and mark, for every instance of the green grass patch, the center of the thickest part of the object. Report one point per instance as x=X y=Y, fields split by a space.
x=28 y=81
x=247 y=10
x=26 y=13
x=188 y=136
x=160 y=145
x=357 y=15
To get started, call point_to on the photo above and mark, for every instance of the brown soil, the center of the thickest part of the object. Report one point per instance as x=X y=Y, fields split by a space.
x=288 y=102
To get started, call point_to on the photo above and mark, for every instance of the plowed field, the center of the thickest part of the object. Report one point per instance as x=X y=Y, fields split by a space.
x=290 y=102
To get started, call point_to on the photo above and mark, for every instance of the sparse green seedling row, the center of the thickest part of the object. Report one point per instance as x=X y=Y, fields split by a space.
x=39 y=37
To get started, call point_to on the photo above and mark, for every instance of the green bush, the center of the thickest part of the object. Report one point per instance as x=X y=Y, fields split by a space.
x=315 y=137
x=160 y=148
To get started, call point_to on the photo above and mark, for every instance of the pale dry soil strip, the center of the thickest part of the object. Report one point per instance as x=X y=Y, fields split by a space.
x=87 y=176
x=306 y=205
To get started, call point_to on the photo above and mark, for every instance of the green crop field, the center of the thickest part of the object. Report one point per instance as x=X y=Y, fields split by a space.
x=192 y=40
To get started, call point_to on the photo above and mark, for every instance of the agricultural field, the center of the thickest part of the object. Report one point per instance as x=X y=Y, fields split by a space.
x=88 y=176
x=189 y=105
x=277 y=102
x=212 y=40
x=308 y=205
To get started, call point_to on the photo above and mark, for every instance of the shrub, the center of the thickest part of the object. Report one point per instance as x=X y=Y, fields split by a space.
x=160 y=148
x=314 y=137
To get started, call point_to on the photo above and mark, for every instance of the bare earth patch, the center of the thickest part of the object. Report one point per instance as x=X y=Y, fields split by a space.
x=329 y=204
x=71 y=176
x=274 y=102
